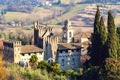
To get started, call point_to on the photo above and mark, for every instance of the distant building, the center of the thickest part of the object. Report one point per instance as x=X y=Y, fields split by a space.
x=47 y=2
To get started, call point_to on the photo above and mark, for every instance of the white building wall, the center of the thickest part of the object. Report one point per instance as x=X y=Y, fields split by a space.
x=69 y=39
x=26 y=57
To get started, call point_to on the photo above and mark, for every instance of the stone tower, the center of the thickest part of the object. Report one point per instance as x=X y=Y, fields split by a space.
x=36 y=34
x=45 y=39
x=12 y=51
x=67 y=32
x=17 y=50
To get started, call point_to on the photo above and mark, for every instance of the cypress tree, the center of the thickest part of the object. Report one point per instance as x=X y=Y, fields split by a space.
x=95 y=39
x=112 y=41
x=103 y=33
x=118 y=35
x=97 y=21
x=103 y=38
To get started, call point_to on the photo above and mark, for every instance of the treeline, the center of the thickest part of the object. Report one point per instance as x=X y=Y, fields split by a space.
x=19 y=5
x=102 y=1
x=20 y=2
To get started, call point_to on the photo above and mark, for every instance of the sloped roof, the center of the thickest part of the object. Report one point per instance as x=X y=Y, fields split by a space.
x=83 y=35
x=64 y=46
x=30 y=49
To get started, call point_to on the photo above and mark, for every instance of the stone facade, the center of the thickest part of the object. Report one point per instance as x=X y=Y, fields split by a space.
x=46 y=47
x=67 y=32
x=12 y=50
x=44 y=38
x=15 y=52
x=69 y=57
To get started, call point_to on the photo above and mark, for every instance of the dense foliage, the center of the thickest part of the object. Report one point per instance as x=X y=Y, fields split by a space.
x=105 y=56
x=112 y=41
x=99 y=38
x=15 y=72
x=103 y=1
x=118 y=34
x=2 y=70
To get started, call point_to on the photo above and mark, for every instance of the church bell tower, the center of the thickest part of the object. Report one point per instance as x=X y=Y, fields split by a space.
x=67 y=32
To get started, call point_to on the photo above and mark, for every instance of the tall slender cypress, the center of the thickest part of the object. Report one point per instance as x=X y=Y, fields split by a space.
x=95 y=39
x=112 y=44
x=103 y=32
x=97 y=21
x=118 y=35
x=103 y=38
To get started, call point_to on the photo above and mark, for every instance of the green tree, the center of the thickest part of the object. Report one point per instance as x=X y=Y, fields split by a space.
x=71 y=74
x=113 y=69
x=118 y=33
x=103 y=38
x=55 y=68
x=112 y=41
x=91 y=73
x=43 y=65
x=112 y=62
x=96 y=39
x=33 y=61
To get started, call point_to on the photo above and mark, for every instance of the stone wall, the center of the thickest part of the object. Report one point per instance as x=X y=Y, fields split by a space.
x=69 y=59
x=12 y=51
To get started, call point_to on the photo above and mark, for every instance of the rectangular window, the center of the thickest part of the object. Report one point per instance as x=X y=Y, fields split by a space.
x=73 y=61
x=29 y=54
x=78 y=50
x=60 y=51
x=70 y=34
x=62 y=62
x=66 y=51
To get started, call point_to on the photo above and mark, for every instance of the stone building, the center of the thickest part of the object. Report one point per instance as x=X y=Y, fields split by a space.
x=68 y=55
x=16 y=52
x=45 y=39
x=46 y=46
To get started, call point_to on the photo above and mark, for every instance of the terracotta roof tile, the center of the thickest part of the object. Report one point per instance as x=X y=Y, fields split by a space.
x=30 y=49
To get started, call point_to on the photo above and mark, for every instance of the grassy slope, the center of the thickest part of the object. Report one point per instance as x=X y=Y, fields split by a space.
x=15 y=15
x=67 y=1
x=35 y=15
x=70 y=14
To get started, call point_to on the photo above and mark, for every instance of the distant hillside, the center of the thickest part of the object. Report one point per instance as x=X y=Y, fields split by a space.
x=101 y=1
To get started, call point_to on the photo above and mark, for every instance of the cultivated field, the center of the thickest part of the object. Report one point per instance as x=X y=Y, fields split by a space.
x=35 y=15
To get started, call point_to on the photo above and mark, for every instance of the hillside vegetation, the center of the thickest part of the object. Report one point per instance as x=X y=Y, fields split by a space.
x=74 y=11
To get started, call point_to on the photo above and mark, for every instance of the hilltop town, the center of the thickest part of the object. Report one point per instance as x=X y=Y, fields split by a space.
x=59 y=40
